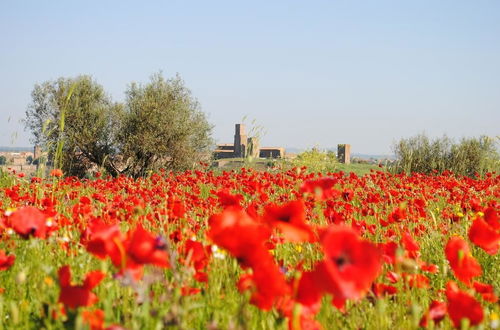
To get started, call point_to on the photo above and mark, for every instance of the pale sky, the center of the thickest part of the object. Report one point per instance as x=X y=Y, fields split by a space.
x=310 y=72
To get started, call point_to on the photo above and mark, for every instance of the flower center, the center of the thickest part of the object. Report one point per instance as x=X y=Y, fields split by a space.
x=284 y=218
x=341 y=261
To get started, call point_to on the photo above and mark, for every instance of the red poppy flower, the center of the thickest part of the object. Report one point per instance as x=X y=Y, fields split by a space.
x=410 y=245
x=95 y=319
x=348 y=195
x=198 y=257
x=322 y=188
x=198 y=254
x=309 y=292
x=462 y=306
x=484 y=236
x=6 y=261
x=464 y=265
x=235 y=231
x=486 y=291
x=491 y=217
x=56 y=173
x=106 y=240
x=270 y=284
x=381 y=289
x=29 y=220
x=74 y=296
x=430 y=268
x=436 y=312
x=290 y=219
x=417 y=280
x=299 y=318
x=398 y=215
x=228 y=199
x=389 y=252
x=349 y=267
x=144 y=248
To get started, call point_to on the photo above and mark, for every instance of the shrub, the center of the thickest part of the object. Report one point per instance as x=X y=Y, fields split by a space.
x=316 y=160
x=467 y=157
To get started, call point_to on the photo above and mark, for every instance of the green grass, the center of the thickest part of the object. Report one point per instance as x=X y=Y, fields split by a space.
x=261 y=164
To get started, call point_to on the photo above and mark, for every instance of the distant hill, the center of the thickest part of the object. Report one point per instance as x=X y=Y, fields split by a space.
x=15 y=149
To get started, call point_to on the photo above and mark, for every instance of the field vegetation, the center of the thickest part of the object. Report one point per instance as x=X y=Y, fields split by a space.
x=249 y=250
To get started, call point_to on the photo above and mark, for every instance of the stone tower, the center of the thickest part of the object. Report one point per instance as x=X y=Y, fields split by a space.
x=240 y=141
x=344 y=153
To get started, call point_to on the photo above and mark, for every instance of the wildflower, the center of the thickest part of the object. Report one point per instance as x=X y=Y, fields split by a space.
x=349 y=267
x=486 y=291
x=321 y=188
x=57 y=173
x=95 y=319
x=491 y=217
x=436 y=312
x=144 y=248
x=245 y=238
x=484 y=236
x=105 y=240
x=464 y=265
x=29 y=221
x=74 y=296
x=290 y=219
x=6 y=261
x=461 y=305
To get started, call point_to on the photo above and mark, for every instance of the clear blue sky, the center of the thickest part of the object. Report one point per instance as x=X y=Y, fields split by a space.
x=311 y=72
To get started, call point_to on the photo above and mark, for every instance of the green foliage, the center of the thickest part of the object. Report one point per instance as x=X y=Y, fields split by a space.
x=29 y=160
x=160 y=126
x=3 y=160
x=163 y=127
x=72 y=119
x=316 y=160
x=469 y=156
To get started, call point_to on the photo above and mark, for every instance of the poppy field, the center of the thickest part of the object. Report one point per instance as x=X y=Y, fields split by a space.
x=250 y=250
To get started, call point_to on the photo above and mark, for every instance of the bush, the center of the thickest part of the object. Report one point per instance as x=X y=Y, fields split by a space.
x=469 y=157
x=316 y=160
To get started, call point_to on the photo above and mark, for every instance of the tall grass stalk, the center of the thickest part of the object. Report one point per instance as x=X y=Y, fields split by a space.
x=58 y=156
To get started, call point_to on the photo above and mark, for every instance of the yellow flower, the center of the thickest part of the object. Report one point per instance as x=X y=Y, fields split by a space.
x=49 y=281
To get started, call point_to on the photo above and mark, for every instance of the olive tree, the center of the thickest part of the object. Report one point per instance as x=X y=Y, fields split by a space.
x=76 y=123
x=163 y=127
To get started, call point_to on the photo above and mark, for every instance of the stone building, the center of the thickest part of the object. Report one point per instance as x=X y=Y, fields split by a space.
x=244 y=146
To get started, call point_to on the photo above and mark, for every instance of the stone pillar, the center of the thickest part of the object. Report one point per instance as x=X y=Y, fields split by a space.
x=344 y=153
x=240 y=141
